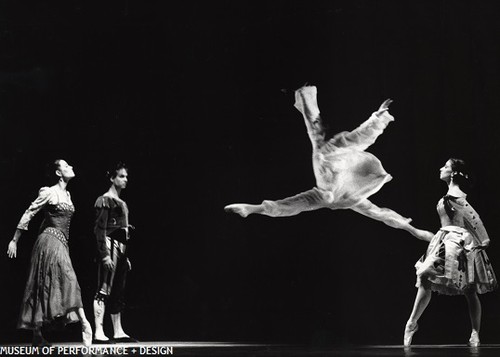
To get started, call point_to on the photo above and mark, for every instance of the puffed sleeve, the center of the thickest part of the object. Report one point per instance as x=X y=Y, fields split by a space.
x=44 y=196
x=102 y=207
x=364 y=135
x=474 y=224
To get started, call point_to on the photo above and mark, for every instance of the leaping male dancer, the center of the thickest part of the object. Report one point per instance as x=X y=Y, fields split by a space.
x=346 y=175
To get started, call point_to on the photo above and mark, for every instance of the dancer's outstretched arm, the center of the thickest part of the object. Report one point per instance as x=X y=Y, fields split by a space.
x=305 y=201
x=307 y=104
x=366 y=134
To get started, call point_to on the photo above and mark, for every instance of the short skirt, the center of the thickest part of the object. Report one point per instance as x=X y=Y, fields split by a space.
x=451 y=269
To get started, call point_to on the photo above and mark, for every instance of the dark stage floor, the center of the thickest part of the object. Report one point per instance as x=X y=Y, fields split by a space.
x=238 y=349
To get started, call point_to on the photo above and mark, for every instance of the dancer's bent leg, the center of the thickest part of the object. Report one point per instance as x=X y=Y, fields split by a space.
x=422 y=300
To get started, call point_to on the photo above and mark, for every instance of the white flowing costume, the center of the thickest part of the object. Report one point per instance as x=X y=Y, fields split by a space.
x=346 y=175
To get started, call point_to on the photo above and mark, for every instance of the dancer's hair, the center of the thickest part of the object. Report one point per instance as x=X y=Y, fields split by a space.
x=50 y=171
x=460 y=174
x=113 y=170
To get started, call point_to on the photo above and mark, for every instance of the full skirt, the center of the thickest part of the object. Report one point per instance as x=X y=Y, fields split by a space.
x=52 y=291
x=450 y=269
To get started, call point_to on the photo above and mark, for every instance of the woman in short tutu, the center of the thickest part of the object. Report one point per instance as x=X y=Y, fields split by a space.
x=52 y=291
x=346 y=175
x=455 y=262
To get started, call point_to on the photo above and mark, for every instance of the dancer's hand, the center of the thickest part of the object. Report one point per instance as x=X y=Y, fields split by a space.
x=306 y=102
x=384 y=106
x=383 y=112
x=108 y=262
x=129 y=264
x=12 y=249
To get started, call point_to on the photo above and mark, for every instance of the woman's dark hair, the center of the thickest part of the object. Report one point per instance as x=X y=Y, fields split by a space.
x=113 y=170
x=460 y=173
x=50 y=172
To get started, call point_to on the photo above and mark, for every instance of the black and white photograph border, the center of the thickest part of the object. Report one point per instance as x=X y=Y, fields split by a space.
x=198 y=99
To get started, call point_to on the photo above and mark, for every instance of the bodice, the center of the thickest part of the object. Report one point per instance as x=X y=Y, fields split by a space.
x=452 y=211
x=58 y=216
x=456 y=211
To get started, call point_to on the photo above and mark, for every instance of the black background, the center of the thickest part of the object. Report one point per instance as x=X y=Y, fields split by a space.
x=197 y=98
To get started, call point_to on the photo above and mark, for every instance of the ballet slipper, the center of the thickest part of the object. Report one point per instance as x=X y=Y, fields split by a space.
x=409 y=332
x=474 y=339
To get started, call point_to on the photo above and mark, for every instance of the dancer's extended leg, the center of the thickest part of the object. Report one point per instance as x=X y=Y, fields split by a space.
x=305 y=201
x=385 y=215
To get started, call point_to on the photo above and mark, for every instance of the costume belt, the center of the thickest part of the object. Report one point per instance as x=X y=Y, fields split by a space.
x=454 y=229
x=57 y=234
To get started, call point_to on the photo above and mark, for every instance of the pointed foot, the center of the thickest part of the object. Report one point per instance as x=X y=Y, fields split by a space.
x=410 y=330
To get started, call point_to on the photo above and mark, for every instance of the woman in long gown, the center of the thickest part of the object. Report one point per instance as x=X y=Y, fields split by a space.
x=455 y=262
x=346 y=175
x=52 y=292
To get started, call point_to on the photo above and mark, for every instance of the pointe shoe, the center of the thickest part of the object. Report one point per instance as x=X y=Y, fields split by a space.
x=409 y=334
x=474 y=339
x=86 y=334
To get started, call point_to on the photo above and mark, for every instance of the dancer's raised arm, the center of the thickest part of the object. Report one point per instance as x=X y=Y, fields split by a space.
x=368 y=132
